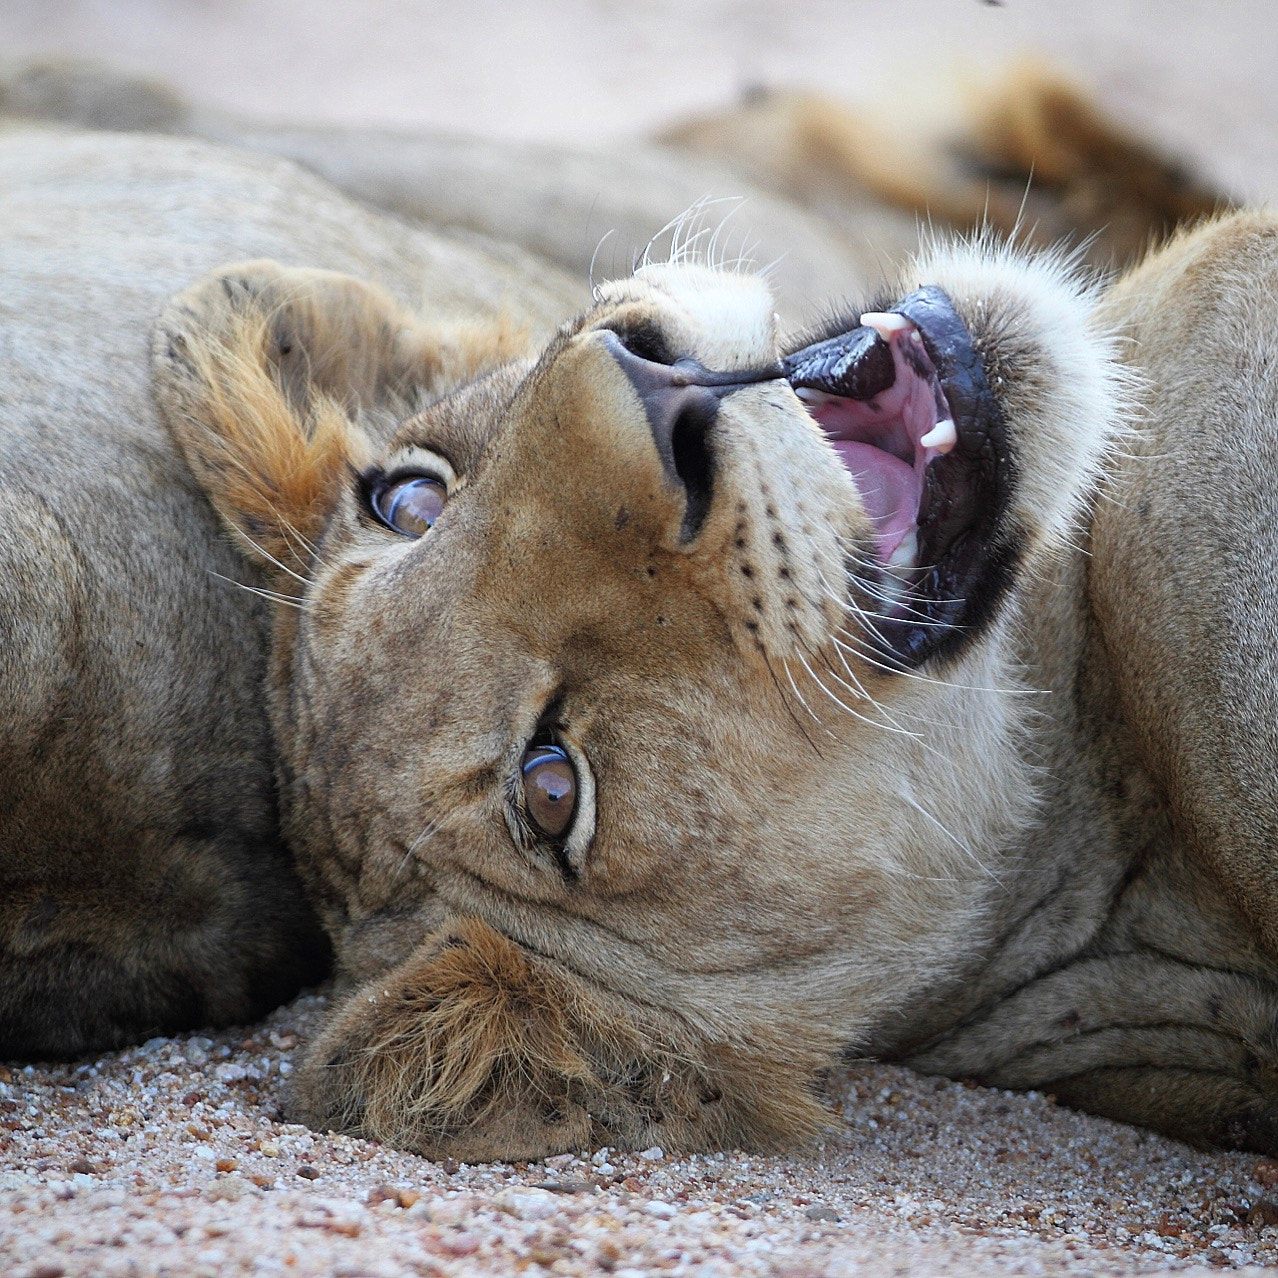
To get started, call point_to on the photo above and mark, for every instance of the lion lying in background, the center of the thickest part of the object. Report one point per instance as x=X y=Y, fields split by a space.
x=656 y=704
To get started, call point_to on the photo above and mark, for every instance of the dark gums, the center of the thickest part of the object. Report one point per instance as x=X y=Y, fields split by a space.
x=856 y=365
x=969 y=552
x=962 y=519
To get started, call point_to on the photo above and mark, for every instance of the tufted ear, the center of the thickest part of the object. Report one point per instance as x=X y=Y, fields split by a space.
x=276 y=381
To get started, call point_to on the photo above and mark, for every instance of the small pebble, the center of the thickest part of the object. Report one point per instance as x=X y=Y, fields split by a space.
x=1262 y=1213
x=822 y=1213
x=564 y=1186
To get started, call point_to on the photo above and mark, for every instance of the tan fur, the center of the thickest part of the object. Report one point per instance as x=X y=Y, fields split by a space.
x=830 y=194
x=278 y=379
x=1033 y=156
x=473 y=1038
x=1030 y=861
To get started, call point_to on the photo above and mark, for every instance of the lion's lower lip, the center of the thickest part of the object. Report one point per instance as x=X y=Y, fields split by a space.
x=903 y=399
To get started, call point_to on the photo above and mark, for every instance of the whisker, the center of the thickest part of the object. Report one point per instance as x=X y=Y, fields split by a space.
x=270 y=558
x=986 y=870
x=887 y=723
x=868 y=656
x=291 y=531
x=431 y=829
x=765 y=272
x=273 y=595
x=299 y=545
x=590 y=275
x=851 y=674
x=789 y=674
x=872 y=723
x=789 y=709
x=856 y=648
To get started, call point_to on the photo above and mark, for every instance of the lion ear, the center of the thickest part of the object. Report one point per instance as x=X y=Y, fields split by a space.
x=271 y=378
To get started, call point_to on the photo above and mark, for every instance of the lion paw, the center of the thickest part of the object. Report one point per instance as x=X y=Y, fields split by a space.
x=477 y=1050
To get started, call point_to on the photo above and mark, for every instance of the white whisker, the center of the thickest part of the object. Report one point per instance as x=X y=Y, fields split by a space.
x=872 y=723
x=431 y=829
x=785 y=665
x=949 y=834
x=595 y=293
x=270 y=558
x=273 y=595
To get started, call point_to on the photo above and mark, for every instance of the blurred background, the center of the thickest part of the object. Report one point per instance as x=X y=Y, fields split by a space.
x=1196 y=76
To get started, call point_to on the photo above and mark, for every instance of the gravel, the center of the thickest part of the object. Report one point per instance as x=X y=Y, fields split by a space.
x=173 y=1157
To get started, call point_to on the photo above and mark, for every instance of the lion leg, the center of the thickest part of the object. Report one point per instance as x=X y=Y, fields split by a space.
x=1199 y=1108
x=1188 y=1048
x=208 y=934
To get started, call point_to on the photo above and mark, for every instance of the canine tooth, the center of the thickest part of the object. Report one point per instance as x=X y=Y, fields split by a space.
x=810 y=396
x=903 y=557
x=886 y=323
x=942 y=436
x=891 y=590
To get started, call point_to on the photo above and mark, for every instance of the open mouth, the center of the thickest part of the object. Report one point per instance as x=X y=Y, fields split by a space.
x=904 y=400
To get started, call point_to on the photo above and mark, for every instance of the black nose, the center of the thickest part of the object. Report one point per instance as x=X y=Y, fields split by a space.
x=681 y=400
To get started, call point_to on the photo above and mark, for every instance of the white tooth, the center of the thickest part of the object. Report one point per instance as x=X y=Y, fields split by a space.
x=891 y=591
x=886 y=323
x=814 y=398
x=942 y=436
x=903 y=558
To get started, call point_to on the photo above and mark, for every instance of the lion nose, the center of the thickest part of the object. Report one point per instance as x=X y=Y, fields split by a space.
x=681 y=400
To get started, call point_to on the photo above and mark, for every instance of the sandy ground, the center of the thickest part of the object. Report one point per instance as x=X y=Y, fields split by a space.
x=172 y=1157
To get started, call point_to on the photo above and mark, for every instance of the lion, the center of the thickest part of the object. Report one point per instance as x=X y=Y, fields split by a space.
x=646 y=703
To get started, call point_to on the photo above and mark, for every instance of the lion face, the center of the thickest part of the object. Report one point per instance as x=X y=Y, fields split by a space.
x=605 y=743
x=606 y=563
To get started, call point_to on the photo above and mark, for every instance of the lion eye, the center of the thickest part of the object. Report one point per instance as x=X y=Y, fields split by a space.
x=412 y=505
x=550 y=789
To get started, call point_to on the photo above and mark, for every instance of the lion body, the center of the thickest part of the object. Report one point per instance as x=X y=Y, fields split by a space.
x=139 y=788
x=1046 y=860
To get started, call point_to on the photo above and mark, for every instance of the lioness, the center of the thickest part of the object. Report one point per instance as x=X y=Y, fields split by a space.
x=658 y=704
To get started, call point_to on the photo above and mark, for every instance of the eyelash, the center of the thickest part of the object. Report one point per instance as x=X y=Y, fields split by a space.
x=371 y=483
x=529 y=839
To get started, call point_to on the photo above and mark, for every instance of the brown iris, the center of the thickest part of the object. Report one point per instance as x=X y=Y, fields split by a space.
x=412 y=505
x=550 y=789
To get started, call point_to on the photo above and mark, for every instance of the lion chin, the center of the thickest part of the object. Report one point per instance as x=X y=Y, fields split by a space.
x=644 y=708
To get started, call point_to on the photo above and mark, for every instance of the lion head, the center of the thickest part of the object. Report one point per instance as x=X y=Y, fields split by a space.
x=642 y=702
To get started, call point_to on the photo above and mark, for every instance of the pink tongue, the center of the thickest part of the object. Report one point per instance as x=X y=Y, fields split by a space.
x=890 y=490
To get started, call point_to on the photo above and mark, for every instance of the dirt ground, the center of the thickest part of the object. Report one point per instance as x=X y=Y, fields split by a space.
x=173 y=1157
